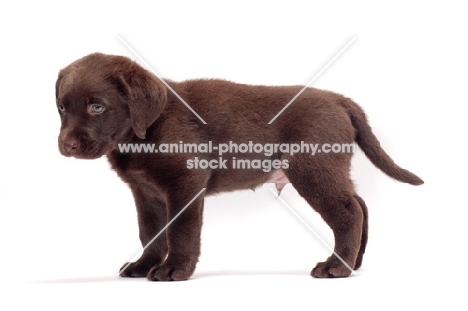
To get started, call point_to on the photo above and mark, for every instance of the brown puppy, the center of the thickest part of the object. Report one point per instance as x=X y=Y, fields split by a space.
x=106 y=100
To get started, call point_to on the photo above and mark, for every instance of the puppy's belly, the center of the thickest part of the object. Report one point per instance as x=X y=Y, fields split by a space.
x=279 y=179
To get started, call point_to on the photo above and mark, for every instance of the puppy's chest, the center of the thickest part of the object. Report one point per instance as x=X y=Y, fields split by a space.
x=138 y=174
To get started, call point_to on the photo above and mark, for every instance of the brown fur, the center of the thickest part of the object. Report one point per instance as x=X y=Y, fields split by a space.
x=139 y=108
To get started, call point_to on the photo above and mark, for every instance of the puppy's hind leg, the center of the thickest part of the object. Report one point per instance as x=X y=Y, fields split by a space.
x=365 y=230
x=331 y=193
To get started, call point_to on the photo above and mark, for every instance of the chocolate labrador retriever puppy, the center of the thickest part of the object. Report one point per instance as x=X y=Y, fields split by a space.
x=105 y=101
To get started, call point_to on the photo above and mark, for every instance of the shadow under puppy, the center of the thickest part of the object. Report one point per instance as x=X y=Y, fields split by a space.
x=105 y=100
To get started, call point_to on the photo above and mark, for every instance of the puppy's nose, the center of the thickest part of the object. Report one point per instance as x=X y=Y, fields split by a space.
x=70 y=146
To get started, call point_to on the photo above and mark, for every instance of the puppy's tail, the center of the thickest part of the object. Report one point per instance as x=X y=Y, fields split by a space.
x=367 y=141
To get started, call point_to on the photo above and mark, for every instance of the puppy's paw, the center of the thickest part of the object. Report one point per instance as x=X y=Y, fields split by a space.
x=331 y=268
x=137 y=269
x=171 y=272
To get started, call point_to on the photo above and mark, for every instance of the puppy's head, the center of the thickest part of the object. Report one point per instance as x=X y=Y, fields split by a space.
x=103 y=99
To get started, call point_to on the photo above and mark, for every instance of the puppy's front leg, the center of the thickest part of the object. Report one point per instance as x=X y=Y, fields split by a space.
x=183 y=236
x=152 y=218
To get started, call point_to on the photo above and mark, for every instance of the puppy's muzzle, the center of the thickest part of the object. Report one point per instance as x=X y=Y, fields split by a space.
x=70 y=146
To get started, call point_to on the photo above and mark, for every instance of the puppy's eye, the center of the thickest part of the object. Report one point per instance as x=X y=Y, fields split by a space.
x=96 y=109
x=61 y=108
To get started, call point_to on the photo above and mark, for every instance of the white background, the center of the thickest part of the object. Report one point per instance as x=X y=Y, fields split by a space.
x=66 y=225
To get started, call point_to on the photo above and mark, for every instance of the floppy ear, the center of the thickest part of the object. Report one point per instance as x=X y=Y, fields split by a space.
x=146 y=97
